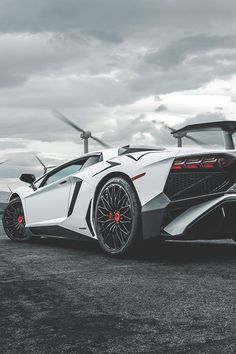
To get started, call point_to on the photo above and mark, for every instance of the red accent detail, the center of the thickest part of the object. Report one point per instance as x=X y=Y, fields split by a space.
x=138 y=176
x=20 y=219
x=117 y=217
x=208 y=165
x=176 y=167
x=192 y=166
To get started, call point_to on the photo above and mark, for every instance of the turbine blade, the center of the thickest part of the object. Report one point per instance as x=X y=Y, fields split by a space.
x=167 y=126
x=40 y=161
x=4 y=161
x=100 y=142
x=197 y=141
x=67 y=121
x=76 y=127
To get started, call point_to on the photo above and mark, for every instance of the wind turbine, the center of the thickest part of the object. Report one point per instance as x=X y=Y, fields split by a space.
x=2 y=162
x=45 y=168
x=197 y=141
x=85 y=135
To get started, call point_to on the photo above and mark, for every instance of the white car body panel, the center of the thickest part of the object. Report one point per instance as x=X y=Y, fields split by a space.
x=49 y=205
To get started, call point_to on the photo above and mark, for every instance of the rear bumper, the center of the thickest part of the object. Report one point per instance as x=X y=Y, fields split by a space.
x=211 y=219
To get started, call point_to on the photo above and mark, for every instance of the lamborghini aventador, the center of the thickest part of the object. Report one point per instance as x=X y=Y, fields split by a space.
x=120 y=197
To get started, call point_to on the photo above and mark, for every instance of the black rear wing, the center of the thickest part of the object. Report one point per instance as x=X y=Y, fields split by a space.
x=228 y=127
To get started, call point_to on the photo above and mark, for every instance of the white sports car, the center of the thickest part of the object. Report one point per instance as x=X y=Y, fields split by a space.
x=121 y=196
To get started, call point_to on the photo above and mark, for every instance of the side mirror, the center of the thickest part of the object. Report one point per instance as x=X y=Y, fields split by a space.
x=27 y=178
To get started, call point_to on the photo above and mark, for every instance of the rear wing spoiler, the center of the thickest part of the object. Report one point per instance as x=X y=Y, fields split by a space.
x=228 y=127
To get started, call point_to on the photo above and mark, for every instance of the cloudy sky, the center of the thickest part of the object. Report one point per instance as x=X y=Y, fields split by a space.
x=118 y=68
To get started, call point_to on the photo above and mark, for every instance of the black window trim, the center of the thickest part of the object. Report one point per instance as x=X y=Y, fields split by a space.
x=55 y=170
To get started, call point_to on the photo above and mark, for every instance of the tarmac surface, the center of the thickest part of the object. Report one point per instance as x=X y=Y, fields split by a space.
x=60 y=296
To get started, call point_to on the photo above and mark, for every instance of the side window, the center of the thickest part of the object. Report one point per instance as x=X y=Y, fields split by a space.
x=64 y=172
x=70 y=169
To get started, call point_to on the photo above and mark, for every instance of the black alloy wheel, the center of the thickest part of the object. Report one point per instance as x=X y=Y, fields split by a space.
x=117 y=217
x=14 y=221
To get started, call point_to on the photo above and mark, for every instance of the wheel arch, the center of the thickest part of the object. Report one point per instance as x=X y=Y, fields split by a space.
x=14 y=196
x=112 y=175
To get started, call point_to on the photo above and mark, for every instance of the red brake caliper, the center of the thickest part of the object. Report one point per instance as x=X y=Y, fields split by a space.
x=116 y=217
x=20 y=219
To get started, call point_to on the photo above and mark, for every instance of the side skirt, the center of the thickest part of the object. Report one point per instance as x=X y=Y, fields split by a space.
x=58 y=231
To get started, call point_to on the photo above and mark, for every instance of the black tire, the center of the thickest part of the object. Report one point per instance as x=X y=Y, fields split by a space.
x=117 y=217
x=13 y=221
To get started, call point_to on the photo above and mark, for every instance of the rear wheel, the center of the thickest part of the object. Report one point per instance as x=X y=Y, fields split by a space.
x=117 y=217
x=14 y=221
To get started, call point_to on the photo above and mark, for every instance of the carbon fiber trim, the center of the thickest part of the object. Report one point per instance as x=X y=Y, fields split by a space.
x=152 y=216
x=88 y=219
x=182 y=185
x=58 y=231
x=74 y=197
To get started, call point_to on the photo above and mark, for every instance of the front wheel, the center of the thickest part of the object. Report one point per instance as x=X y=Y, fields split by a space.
x=13 y=221
x=117 y=217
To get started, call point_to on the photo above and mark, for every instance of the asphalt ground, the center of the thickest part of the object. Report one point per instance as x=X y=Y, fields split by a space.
x=60 y=296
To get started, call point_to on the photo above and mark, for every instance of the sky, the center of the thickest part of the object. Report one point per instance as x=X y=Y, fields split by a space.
x=117 y=68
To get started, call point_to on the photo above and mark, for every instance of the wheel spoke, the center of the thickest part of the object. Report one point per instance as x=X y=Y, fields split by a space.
x=121 y=201
x=123 y=229
x=114 y=240
x=102 y=212
x=111 y=199
x=105 y=203
x=121 y=236
x=105 y=221
x=126 y=217
x=106 y=227
x=118 y=194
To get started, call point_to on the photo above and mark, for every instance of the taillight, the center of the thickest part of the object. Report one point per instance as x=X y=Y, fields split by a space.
x=201 y=162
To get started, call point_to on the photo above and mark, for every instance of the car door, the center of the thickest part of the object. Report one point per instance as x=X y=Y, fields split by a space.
x=48 y=205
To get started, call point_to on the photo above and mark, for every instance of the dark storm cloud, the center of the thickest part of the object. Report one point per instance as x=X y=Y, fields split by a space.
x=180 y=49
x=160 y=133
x=139 y=125
x=204 y=117
x=55 y=37
x=86 y=58
x=161 y=108
x=120 y=16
